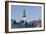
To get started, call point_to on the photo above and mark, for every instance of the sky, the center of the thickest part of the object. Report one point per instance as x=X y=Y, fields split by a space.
x=32 y=12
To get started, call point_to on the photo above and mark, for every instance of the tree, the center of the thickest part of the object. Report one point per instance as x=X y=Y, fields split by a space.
x=14 y=22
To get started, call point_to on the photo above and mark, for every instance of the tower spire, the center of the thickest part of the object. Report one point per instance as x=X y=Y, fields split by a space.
x=24 y=15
